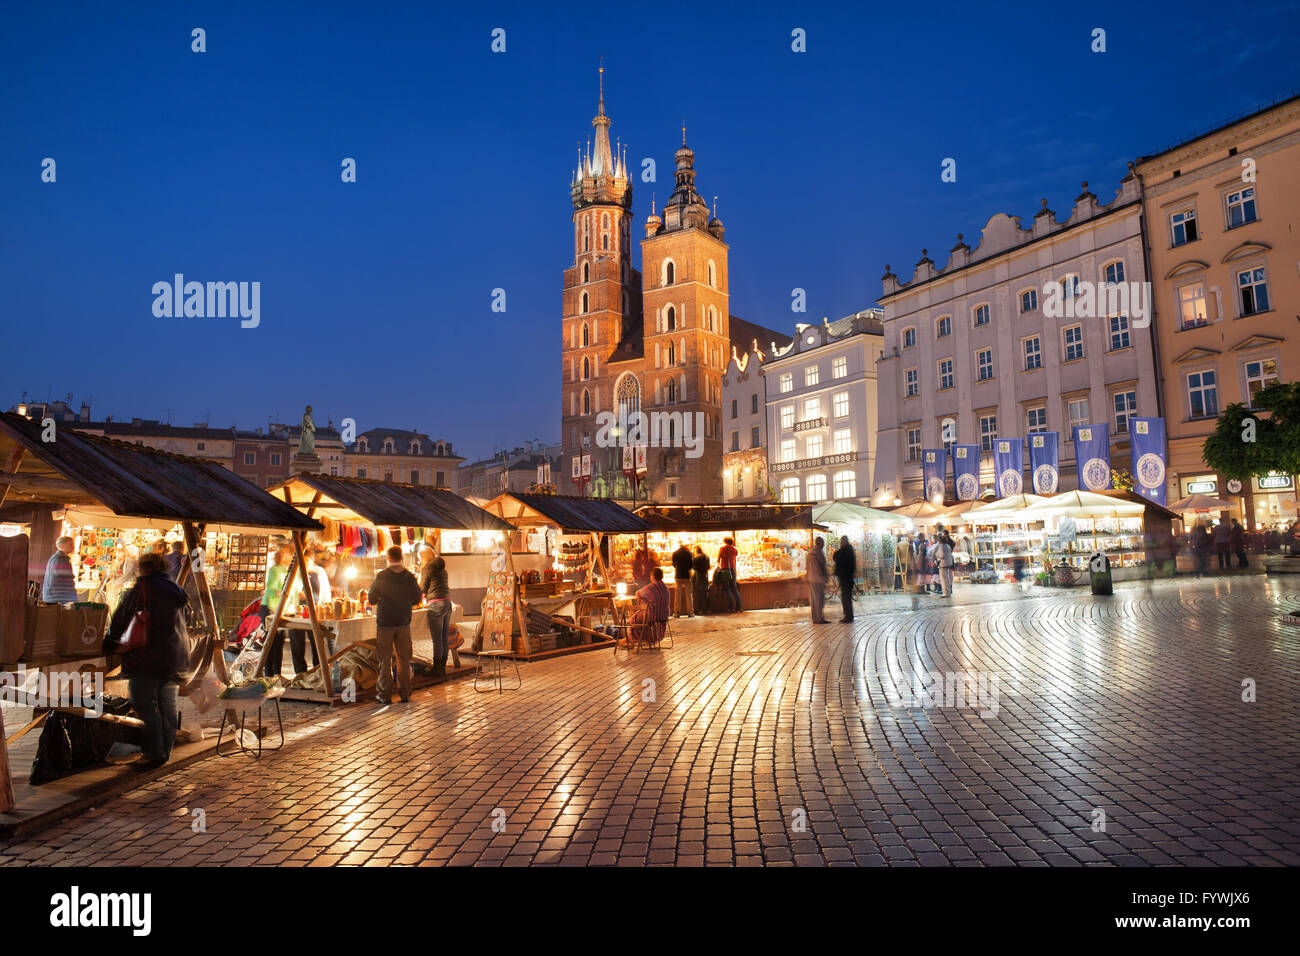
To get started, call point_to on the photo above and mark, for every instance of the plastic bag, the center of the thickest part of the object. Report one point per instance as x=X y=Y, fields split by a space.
x=206 y=693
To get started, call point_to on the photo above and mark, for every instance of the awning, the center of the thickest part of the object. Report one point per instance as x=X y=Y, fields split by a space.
x=849 y=512
x=1082 y=504
x=1200 y=503
x=724 y=518
x=386 y=503
x=566 y=512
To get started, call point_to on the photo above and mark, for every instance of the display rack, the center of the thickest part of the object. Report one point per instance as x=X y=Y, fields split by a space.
x=245 y=570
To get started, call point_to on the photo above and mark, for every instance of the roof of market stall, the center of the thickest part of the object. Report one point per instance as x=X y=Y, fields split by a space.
x=735 y=517
x=1005 y=507
x=849 y=512
x=916 y=510
x=566 y=512
x=102 y=478
x=1199 y=502
x=386 y=503
x=1082 y=504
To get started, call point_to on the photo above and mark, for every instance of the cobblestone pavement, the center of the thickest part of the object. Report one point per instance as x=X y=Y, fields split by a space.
x=790 y=743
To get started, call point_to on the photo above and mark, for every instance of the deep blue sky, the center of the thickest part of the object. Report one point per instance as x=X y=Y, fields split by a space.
x=375 y=296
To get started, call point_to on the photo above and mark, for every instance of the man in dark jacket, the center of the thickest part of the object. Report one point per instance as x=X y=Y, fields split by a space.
x=700 y=580
x=1200 y=547
x=154 y=672
x=846 y=569
x=817 y=578
x=682 y=581
x=1223 y=544
x=393 y=593
x=1239 y=544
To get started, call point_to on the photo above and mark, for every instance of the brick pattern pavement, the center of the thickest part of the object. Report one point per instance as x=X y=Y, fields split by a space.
x=790 y=743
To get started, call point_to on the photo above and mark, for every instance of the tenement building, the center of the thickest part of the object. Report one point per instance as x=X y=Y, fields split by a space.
x=1025 y=333
x=821 y=409
x=744 y=427
x=1221 y=213
x=657 y=345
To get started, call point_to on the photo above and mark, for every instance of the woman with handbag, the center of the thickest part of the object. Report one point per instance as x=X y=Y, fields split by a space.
x=145 y=632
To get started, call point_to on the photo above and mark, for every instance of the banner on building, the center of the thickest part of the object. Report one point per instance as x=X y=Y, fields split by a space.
x=586 y=466
x=1092 y=456
x=1044 y=464
x=577 y=467
x=1009 y=466
x=966 y=471
x=934 y=469
x=641 y=466
x=1148 y=437
x=629 y=459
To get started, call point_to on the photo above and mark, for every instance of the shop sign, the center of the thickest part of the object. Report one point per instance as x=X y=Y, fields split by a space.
x=1234 y=486
x=1274 y=482
x=1204 y=486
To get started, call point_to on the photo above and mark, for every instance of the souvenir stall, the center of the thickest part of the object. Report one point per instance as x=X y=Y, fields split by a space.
x=1076 y=524
x=772 y=542
x=956 y=519
x=567 y=606
x=361 y=519
x=868 y=530
x=1002 y=534
x=105 y=484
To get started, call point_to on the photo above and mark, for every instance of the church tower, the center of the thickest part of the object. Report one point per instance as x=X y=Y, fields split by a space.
x=601 y=293
x=687 y=335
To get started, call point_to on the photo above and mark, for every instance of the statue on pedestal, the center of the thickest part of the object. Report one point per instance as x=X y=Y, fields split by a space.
x=307 y=443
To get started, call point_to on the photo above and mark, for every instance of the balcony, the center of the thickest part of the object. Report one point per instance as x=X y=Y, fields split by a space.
x=810 y=424
x=824 y=461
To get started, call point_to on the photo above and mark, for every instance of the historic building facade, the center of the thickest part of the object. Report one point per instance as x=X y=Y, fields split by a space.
x=744 y=427
x=655 y=341
x=1220 y=213
x=402 y=455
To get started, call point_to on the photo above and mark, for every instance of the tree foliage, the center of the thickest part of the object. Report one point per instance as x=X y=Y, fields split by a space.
x=1276 y=438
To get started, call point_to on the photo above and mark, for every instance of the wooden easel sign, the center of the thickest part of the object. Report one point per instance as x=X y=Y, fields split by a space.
x=498 y=611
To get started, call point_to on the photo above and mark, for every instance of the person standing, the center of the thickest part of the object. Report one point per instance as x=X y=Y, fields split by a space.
x=817 y=578
x=1237 y=535
x=727 y=572
x=682 y=581
x=944 y=552
x=277 y=579
x=1223 y=544
x=60 y=584
x=174 y=560
x=700 y=580
x=903 y=560
x=437 y=597
x=394 y=592
x=155 y=671
x=122 y=575
x=846 y=569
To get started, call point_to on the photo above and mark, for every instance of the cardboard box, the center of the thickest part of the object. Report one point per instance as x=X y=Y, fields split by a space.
x=81 y=631
x=42 y=632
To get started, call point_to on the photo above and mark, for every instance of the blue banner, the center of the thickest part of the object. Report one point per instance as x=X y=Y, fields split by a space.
x=966 y=471
x=1009 y=466
x=934 y=470
x=1044 y=465
x=1092 y=456
x=1148 y=437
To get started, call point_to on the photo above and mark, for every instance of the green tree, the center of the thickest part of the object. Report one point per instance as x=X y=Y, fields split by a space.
x=1246 y=445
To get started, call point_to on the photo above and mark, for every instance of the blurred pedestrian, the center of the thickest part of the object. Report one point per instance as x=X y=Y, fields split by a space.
x=437 y=598
x=682 y=581
x=700 y=580
x=60 y=584
x=1223 y=544
x=817 y=578
x=846 y=569
x=727 y=572
x=394 y=592
x=1238 y=538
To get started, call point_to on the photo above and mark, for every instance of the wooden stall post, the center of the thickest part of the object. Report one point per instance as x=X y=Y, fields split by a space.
x=192 y=536
x=318 y=641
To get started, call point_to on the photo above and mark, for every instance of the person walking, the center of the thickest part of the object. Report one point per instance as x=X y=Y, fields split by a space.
x=277 y=579
x=394 y=592
x=700 y=580
x=1200 y=546
x=817 y=578
x=682 y=580
x=437 y=597
x=846 y=569
x=122 y=576
x=1237 y=535
x=60 y=584
x=155 y=671
x=1223 y=544
x=903 y=561
x=727 y=572
x=945 y=558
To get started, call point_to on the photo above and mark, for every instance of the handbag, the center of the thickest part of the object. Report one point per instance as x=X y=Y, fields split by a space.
x=137 y=632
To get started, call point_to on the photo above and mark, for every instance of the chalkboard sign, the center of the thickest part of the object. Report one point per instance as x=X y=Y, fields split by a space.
x=498 y=611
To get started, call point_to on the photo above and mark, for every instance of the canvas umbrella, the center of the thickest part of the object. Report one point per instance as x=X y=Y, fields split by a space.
x=1199 y=503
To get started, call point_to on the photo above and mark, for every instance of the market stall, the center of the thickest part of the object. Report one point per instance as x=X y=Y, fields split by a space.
x=1002 y=534
x=772 y=542
x=565 y=609
x=113 y=484
x=361 y=518
x=870 y=531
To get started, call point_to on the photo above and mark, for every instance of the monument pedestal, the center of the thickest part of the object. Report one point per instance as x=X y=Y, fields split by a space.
x=307 y=463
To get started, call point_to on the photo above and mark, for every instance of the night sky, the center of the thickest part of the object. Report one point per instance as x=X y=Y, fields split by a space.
x=375 y=296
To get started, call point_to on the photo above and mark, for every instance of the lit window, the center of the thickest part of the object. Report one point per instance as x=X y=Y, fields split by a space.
x=1183 y=226
x=840 y=405
x=913 y=382
x=814 y=446
x=1126 y=404
x=839 y=367
x=1033 y=353
x=843 y=441
x=816 y=488
x=811 y=376
x=1241 y=207
x=1073 y=337
x=789 y=489
x=984 y=365
x=787 y=381
x=846 y=484
x=945 y=373
x=787 y=416
x=1254 y=291
x=812 y=408
x=1119 y=337
x=787 y=449
x=1192 y=306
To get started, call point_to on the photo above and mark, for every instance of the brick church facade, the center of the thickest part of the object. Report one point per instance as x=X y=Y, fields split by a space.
x=653 y=340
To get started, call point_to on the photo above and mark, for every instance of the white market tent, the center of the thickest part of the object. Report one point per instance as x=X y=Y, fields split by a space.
x=1199 y=503
x=848 y=512
x=1082 y=504
x=1005 y=508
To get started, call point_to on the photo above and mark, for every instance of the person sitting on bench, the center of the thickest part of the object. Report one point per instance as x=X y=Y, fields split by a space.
x=656 y=606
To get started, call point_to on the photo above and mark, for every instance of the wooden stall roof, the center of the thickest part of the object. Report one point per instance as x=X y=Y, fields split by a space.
x=387 y=503
x=567 y=512
x=737 y=517
x=131 y=480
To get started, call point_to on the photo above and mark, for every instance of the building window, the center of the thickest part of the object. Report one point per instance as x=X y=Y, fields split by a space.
x=753 y=404
x=840 y=405
x=738 y=489
x=812 y=408
x=843 y=441
x=988 y=431
x=1033 y=353
x=415 y=476
x=586 y=374
x=586 y=402
x=943 y=328
x=735 y=408
x=811 y=375
x=713 y=275
x=361 y=471
x=672 y=489
x=1183 y=226
x=787 y=416
x=754 y=440
x=1119 y=338
x=913 y=380
x=586 y=272
x=1073 y=338
x=1192 y=307
x=909 y=338
x=250 y=458
x=816 y=487
x=787 y=381
x=981 y=315
x=1028 y=300
x=787 y=449
x=839 y=367
x=1254 y=291
x=1203 y=394
x=1114 y=272
x=735 y=441
x=334 y=470
x=440 y=478
x=914 y=444
x=945 y=374
x=789 y=490
x=669 y=271
x=984 y=365
x=275 y=459
x=1241 y=207
x=1126 y=404
x=586 y=304
x=814 y=446
x=1070 y=287
x=200 y=446
x=670 y=318
x=586 y=335
x=1260 y=374
x=1036 y=420
x=1077 y=412
x=846 y=484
